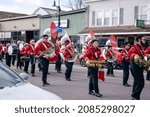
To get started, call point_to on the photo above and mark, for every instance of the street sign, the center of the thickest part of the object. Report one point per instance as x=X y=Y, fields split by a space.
x=139 y=23
x=59 y=29
x=53 y=30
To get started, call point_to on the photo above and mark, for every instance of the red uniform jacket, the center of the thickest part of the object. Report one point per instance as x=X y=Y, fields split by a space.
x=124 y=56
x=31 y=48
x=147 y=51
x=25 y=51
x=92 y=54
x=134 y=50
x=68 y=52
x=109 y=53
x=41 y=47
x=1 y=48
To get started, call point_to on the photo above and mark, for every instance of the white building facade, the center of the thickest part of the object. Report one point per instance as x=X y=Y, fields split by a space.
x=117 y=12
x=117 y=17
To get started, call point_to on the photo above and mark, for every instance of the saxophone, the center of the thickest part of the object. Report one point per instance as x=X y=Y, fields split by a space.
x=142 y=62
x=95 y=63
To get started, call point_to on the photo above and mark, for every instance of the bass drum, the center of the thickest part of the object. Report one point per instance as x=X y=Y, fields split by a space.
x=12 y=50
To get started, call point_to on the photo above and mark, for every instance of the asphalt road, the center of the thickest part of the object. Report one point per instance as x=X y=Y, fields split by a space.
x=77 y=89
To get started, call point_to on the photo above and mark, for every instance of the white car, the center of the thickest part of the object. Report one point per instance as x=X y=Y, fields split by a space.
x=15 y=87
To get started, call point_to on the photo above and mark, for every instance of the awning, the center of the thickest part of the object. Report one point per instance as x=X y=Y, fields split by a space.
x=117 y=30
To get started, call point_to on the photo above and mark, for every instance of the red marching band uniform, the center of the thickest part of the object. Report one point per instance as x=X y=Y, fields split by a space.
x=136 y=50
x=147 y=51
x=124 y=56
x=25 y=52
x=58 y=57
x=31 y=48
x=93 y=52
x=109 y=54
x=45 y=52
x=68 y=52
x=42 y=47
x=135 y=54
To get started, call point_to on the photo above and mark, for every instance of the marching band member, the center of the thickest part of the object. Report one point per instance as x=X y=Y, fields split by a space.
x=13 y=56
x=59 y=60
x=18 y=55
x=68 y=54
x=147 y=54
x=1 y=51
x=109 y=55
x=136 y=53
x=93 y=53
x=41 y=47
x=88 y=40
x=25 y=56
x=8 y=57
x=125 y=64
x=31 y=48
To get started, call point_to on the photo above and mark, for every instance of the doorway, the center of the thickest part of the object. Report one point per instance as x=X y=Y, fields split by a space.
x=29 y=36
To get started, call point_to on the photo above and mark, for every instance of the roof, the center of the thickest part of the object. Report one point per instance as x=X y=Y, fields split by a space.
x=18 y=18
x=12 y=13
x=130 y=29
x=46 y=11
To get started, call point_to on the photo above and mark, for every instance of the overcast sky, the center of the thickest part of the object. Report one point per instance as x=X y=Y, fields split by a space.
x=27 y=6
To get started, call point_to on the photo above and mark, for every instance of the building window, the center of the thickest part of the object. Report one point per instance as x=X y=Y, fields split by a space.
x=114 y=17
x=107 y=15
x=99 y=18
x=121 y=15
x=143 y=13
x=93 y=18
x=136 y=12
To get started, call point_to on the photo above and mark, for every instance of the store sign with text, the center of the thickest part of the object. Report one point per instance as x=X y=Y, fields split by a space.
x=63 y=23
x=5 y=34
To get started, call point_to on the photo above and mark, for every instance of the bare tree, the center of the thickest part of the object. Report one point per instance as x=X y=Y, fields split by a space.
x=74 y=4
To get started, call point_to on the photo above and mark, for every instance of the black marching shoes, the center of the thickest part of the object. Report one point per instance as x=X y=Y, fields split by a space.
x=45 y=84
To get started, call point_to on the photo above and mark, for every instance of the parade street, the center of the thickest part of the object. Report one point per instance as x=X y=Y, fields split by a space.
x=77 y=89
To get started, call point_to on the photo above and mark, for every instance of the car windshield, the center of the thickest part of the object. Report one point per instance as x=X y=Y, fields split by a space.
x=8 y=78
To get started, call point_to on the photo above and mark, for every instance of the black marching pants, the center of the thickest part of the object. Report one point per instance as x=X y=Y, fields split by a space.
x=44 y=64
x=125 y=67
x=32 y=60
x=138 y=83
x=93 y=82
x=69 y=66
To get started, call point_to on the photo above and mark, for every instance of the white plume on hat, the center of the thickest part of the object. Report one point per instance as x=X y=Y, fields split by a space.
x=47 y=31
x=88 y=39
x=32 y=41
x=65 y=38
x=108 y=43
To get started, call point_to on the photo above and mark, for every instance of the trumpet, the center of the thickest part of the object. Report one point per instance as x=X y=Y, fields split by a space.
x=95 y=63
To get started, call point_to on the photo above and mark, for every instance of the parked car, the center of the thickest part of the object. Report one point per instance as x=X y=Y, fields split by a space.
x=15 y=87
